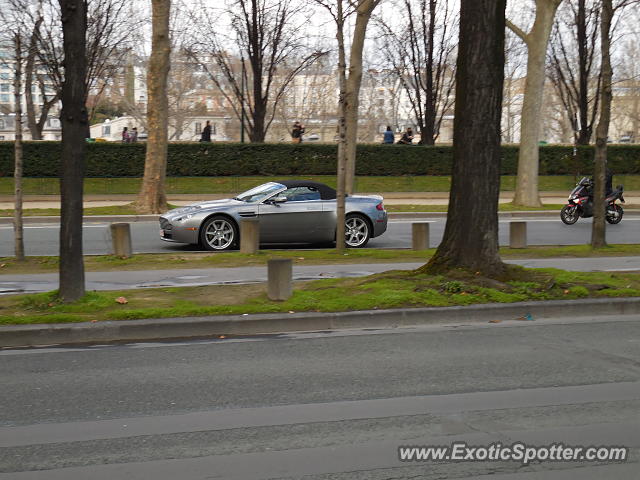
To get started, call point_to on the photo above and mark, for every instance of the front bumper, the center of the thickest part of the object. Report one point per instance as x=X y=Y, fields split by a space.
x=170 y=232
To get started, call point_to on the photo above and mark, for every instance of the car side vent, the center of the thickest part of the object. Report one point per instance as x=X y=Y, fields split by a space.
x=247 y=214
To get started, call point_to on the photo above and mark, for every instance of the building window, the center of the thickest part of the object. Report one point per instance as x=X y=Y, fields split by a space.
x=5 y=87
x=4 y=98
x=1 y=137
x=5 y=76
x=198 y=128
x=213 y=129
x=54 y=122
x=106 y=130
x=3 y=124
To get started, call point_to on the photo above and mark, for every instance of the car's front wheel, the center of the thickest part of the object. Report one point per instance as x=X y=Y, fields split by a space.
x=357 y=231
x=219 y=233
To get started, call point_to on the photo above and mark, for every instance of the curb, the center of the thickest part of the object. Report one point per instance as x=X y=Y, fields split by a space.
x=212 y=326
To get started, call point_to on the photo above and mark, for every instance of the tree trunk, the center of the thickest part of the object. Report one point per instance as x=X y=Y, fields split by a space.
x=427 y=132
x=471 y=233
x=152 y=197
x=364 y=10
x=74 y=121
x=18 y=229
x=584 y=132
x=537 y=39
x=598 y=229
x=342 y=133
x=32 y=124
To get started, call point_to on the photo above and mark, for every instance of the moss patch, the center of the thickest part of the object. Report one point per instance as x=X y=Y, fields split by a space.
x=394 y=289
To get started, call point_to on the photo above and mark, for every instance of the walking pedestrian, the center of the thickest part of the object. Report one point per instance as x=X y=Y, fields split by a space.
x=133 y=137
x=206 y=133
x=125 y=135
x=296 y=132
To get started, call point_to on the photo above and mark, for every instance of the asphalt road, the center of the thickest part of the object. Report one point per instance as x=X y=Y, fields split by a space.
x=42 y=239
x=324 y=406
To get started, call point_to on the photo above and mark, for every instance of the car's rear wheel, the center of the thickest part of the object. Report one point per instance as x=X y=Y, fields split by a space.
x=219 y=233
x=357 y=231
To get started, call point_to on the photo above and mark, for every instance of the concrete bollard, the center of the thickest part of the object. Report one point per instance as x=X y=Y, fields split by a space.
x=280 y=274
x=249 y=235
x=420 y=235
x=518 y=235
x=121 y=240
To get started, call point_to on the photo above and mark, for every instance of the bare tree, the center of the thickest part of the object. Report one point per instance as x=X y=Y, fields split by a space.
x=598 y=230
x=420 y=50
x=74 y=121
x=514 y=73
x=311 y=95
x=152 y=197
x=348 y=100
x=270 y=41
x=19 y=20
x=17 y=174
x=574 y=66
x=471 y=233
x=536 y=41
x=110 y=24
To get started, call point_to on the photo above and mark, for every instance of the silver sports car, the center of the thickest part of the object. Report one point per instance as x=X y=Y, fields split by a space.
x=290 y=212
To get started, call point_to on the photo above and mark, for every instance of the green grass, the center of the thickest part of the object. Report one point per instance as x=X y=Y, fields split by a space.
x=210 y=185
x=55 y=212
x=161 y=261
x=394 y=289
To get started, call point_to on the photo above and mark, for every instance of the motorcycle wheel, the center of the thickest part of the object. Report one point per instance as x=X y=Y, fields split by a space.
x=569 y=214
x=614 y=214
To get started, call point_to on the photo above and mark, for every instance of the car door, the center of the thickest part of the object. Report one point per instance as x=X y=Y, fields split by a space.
x=294 y=221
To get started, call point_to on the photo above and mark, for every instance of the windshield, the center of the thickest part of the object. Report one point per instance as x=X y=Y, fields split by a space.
x=259 y=193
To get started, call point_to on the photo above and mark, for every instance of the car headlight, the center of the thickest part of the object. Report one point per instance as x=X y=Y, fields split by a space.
x=185 y=218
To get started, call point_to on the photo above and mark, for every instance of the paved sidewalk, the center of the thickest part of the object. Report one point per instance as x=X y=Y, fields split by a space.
x=390 y=198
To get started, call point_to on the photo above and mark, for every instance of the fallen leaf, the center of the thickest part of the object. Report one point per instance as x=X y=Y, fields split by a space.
x=300 y=258
x=94 y=321
x=122 y=300
x=222 y=336
x=291 y=311
x=566 y=292
x=2 y=265
x=51 y=304
x=495 y=321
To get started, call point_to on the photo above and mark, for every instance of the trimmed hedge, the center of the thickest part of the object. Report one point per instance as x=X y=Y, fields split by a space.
x=42 y=159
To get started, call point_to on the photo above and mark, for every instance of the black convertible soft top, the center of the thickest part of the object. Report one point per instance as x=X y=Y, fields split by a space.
x=326 y=193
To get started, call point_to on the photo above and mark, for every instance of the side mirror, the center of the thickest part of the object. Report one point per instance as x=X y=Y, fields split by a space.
x=279 y=199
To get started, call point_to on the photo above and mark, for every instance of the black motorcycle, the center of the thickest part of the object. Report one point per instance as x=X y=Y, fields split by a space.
x=580 y=203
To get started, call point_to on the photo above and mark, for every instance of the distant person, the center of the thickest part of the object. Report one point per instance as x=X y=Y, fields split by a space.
x=389 y=137
x=133 y=136
x=407 y=137
x=296 y=132
x=206 y=133
x=125 y=135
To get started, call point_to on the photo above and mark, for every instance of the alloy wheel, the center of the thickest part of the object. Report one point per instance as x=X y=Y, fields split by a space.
x=219 y=234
